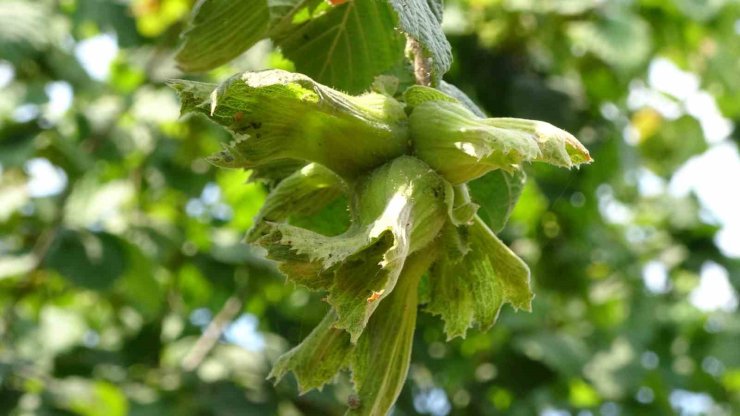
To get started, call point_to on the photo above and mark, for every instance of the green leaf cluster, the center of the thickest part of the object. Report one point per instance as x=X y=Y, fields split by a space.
x=402 y=167
x=344 y=46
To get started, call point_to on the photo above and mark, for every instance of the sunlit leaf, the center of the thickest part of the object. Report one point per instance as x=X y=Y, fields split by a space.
x=220 y=31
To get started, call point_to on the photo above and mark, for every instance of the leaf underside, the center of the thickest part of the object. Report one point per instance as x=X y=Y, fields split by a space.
x=220 y=31
x=347 y=46
x=344 y=46
x=421 y=20
x=497 y=192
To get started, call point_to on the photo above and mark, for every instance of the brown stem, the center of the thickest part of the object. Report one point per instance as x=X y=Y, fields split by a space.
x=422 y=71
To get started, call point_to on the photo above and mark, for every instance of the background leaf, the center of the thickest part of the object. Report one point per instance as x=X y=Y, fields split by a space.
x=220 y=31
x=497 y=193
x=91 y=260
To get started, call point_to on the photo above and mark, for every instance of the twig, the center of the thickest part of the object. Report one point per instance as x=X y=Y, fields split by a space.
x=211 y=335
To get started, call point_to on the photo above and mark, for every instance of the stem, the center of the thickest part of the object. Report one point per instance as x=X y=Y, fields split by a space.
x=211 y=335
x=422 y=71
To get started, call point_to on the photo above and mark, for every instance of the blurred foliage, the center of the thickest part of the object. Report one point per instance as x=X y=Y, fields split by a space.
x=119 y=244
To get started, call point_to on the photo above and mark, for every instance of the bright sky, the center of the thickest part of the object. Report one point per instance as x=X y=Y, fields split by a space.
x=96 y=54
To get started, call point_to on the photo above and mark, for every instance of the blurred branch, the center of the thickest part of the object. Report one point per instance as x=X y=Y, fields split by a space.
x=212 y=334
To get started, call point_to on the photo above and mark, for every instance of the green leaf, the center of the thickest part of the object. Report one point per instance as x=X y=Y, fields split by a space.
x=497 y=192
x=381 y=359
x=345 y=47
x=462 y=146
x=332 y=219
x=418 y=94
x=278 y=115
x=555 y=146
x=437 y=7
x=91 y=260
x=659 y=150
x=471 y=289
x=308 y=258
x=303 y=193
x=622 y=41
x=283 y=10
x=460 y=96
x=397 y=210
x=462 y=209
x=194 y=96
x=214 y=36
x=423 y=22
x=221 y=30
x=316 y=360
x=273 y=172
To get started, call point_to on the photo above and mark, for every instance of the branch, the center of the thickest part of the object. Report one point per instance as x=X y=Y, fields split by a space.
x=212 y=334
x=422 y=71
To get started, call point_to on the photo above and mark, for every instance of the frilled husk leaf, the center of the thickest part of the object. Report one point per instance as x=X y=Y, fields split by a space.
x=380 y=362
x=316 y=360
x=397 y=210
x=305 y=192
x=380 y=359
x=462 y=146
x=474 y=277
x=277 y=115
